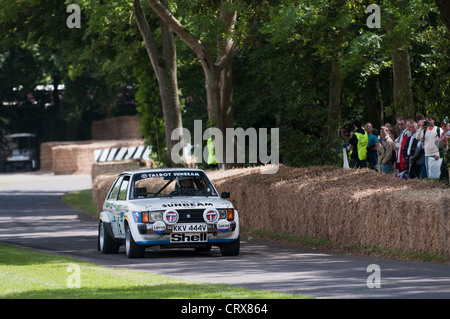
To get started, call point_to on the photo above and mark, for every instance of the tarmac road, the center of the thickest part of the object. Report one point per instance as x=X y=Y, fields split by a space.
x=33 y=215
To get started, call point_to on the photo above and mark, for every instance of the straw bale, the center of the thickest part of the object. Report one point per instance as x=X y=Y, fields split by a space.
x=100 y=188
x=78 y=157
x=346 y=207
x=108 y=168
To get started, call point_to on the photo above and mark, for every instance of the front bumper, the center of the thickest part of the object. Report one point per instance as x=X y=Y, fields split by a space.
x=148 y=237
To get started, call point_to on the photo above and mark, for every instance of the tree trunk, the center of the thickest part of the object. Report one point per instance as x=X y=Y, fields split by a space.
x=217 y=73
x=334 y=114
x=380 y=100
x=168 y=89
x=226 y=95
x=165 y=66
x=401 y=67
x=224 y=51
x=56 y=106
x=212 y=86
x=444 y=8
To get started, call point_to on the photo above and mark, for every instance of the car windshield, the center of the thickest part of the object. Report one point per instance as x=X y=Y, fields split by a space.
x=178 y=183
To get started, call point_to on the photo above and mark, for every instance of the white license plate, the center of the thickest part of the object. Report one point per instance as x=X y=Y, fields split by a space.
x=189 y=228
x=188 y=237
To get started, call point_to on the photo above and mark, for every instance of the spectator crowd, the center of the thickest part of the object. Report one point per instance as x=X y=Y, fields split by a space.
x=413 y=149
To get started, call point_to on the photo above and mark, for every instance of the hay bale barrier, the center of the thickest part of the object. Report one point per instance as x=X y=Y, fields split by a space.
x=345 y=207
x=100 y=188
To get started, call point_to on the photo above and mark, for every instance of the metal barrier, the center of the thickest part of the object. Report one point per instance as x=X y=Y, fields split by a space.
x=124 y=153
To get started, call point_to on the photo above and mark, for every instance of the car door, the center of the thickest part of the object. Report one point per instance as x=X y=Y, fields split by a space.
x=121 y=206
x=111 y=205
x=116 y=205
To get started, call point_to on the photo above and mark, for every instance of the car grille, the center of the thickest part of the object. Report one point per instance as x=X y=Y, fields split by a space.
x=190 y=215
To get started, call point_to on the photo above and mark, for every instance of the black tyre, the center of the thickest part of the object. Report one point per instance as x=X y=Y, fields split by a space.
x=132 y=249
x=106 y=244
x=231 y=249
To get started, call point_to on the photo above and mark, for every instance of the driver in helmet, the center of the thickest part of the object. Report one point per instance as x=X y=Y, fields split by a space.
x=186 y=183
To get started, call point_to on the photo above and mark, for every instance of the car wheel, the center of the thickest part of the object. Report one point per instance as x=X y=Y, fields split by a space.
x=132 y=249
x=106 y=243
x=231 y=249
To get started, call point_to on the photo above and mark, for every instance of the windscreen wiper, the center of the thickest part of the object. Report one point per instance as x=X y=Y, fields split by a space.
x=164 y=187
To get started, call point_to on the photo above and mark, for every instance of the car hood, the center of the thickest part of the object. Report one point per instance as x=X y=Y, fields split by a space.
x=163 y=203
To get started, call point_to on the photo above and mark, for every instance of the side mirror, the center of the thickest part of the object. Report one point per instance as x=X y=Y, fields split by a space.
x=225 y=195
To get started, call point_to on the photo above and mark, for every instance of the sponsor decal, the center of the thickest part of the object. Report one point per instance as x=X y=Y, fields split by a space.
x=186 y=204
x=211 y=216
x=223 y=225
x=188 y=238
x=171 y=217
x=159 y=227
x=170 y=174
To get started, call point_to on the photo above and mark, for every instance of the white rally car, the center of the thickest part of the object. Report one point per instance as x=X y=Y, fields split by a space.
x=169 y=208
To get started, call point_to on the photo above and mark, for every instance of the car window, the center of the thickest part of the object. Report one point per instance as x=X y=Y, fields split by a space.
x=177 y=183
x=115 y=189
x=123 y=188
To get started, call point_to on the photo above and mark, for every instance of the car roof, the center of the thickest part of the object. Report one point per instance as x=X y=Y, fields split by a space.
x=20 y=135
x=162 y=170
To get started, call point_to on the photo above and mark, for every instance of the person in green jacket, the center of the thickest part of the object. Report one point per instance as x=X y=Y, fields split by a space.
x=358 y=145
x=212 y=162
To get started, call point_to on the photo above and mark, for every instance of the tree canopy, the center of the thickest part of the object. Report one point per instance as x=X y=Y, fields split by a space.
x=307 y=67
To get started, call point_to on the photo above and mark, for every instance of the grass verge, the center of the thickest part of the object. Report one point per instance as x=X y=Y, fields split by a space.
x=81 y=200
x=28 y=274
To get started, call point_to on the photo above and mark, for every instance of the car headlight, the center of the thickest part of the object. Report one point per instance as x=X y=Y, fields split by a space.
x=151 y=217
x=226 y=213
x=156 y=216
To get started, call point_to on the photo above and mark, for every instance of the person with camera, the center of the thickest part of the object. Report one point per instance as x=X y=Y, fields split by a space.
x=429 y=133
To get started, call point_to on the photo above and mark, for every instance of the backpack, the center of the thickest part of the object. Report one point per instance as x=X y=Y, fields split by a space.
x=438 y=132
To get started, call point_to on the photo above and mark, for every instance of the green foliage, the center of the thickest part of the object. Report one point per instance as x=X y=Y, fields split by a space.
x=94 y=64
x=281 y=75
x=432 y=72
x=149 y=107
